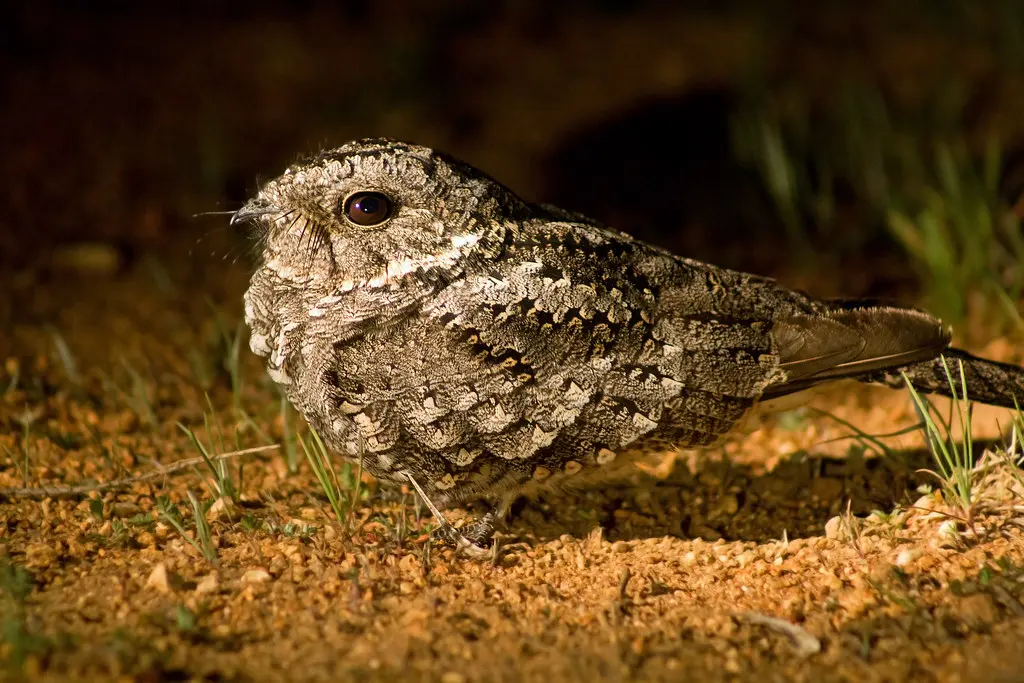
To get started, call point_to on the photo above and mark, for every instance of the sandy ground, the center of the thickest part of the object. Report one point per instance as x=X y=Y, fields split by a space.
x=671 y=573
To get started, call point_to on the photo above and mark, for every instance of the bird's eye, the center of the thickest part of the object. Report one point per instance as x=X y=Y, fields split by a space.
x=367 y=208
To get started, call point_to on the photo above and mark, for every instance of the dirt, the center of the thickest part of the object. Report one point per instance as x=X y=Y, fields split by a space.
x=795 y=552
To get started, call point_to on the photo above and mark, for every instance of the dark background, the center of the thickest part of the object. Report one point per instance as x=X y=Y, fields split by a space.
x=122 y=121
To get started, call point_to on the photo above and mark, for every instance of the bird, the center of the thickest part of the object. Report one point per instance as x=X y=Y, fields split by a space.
x=447 y=334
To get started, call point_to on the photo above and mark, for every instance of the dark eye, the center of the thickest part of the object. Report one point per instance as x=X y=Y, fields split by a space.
x=367 y=208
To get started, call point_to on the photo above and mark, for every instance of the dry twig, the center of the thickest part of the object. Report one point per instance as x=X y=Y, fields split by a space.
x=804 y=642
x=85 y=489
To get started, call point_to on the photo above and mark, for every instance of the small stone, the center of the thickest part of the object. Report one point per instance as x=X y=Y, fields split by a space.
x=925 y=503
x=162 y=580
x=125 y=509
x=208 y=584
x=257 y=575
x=620 y=547
x=410 y=564
x=907 y=555
x=223 y=509
x=834 y=528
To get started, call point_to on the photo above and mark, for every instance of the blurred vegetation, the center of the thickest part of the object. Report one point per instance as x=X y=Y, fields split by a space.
x=913 y=173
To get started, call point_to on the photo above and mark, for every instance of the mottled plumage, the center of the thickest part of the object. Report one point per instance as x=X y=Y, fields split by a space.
x=477 y=344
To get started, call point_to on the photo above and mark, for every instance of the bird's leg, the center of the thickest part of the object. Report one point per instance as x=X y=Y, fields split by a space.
x=472 y=544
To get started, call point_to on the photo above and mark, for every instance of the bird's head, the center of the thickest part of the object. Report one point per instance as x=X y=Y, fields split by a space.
x=375 y=213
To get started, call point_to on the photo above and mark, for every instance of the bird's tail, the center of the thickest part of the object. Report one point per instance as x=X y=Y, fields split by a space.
x=882 y=344
x=988 y=381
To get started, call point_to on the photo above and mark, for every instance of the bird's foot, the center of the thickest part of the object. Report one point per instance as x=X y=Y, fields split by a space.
x=475 y=542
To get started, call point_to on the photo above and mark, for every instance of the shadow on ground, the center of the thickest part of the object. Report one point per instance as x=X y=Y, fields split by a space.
x=724 y=499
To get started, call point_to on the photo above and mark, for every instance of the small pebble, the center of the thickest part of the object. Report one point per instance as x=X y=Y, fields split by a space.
x=223 y=509
x=925 y=502
x=907 y=556
x=208 y=584
x=258 y=575
x=834 y=528
x=160 y=579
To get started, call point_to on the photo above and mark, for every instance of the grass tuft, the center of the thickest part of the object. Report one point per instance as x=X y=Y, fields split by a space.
x=343 y=492
x=955 y=461
x=23 y=461
x=202 y=541
x=203 y=535
x=223 y=484
x=1013 y=454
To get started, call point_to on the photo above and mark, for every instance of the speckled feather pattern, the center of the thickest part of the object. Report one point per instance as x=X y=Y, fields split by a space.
x=485 y=345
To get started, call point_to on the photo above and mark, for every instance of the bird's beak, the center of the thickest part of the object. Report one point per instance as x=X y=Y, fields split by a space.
x=252 y=210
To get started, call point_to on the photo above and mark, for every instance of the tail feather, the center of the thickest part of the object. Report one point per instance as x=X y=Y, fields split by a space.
x=879 y=344
x=988 y=381
x=851 y=341
x=846 y=342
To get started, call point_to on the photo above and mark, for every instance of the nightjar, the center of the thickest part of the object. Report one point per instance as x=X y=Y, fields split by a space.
x=429 y=322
